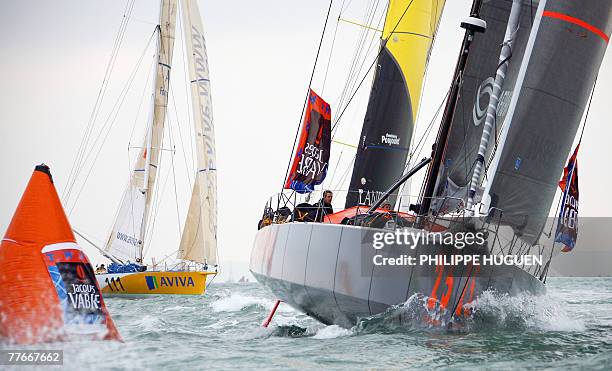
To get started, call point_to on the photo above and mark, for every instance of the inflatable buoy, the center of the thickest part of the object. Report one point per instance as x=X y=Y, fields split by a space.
x=48 y=290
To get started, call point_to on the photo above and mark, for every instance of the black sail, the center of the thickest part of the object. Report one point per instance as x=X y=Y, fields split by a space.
x=561 y=62
x=408 y=33
x=385 y=135
x=470 y=114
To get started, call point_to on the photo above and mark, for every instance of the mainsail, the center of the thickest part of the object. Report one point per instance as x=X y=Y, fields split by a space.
x=475 y=97
x=408 y=33
x=562 y=59
x=127 y=236
x=199 y=240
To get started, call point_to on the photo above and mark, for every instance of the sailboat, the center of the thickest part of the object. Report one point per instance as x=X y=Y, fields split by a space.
x=521 y=85
x=197 y=251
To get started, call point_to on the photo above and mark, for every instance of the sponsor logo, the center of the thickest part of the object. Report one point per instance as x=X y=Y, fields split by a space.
x=151 y=282
x=84 y=296
x=484 y=92
x=128 y=239
x=202 y=84
x=311 y=164
x=369 y=197
x=165 y=281
x=390 y=139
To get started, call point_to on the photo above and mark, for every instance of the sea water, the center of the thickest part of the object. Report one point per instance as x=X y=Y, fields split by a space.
x=570 y=328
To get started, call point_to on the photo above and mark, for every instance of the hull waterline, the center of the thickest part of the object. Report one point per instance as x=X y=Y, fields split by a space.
x=321 y=270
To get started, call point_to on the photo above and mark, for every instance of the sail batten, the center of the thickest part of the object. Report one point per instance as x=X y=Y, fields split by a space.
x=199 y=238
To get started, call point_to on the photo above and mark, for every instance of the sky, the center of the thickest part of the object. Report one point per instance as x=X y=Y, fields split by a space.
x=261 y=56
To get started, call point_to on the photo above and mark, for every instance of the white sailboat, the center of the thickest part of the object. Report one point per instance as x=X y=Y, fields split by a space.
x=197 y=251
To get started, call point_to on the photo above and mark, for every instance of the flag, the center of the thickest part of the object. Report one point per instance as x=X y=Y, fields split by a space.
x=310 y=163
x=567 y=225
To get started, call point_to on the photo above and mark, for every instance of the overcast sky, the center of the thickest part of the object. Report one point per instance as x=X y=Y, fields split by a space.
x=260 y=55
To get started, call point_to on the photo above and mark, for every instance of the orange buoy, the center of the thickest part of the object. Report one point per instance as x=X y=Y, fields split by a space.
x=48 y=290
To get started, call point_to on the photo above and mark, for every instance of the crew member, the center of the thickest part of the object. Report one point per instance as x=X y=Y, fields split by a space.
x=324 y=206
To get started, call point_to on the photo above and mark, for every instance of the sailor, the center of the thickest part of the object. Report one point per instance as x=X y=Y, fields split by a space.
x=386 y=206
x=324 y=206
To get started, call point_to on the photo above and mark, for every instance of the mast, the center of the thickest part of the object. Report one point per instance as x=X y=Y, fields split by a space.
x=126 y=240
x=500 y=76
x=472 y=24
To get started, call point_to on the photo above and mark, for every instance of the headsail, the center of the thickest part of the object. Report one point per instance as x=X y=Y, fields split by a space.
x=409 y=29
x=563 y=56
x=127 y=236
x=475 y=97
x=199 y=240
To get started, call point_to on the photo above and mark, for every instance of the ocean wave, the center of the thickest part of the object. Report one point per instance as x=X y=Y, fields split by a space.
x=491 y=311
x=523 y=311
x=238 y=302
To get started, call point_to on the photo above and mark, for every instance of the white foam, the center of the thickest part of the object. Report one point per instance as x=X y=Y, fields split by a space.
x=543 y=312
x=332 y=332
x=237 y=302
x=148 y=323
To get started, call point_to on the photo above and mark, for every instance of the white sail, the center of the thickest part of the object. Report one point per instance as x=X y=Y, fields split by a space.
x=125 y=240
x=127 y=237
x=199 y=240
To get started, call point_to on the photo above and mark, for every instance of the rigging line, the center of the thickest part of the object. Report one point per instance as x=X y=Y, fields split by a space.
x=187 y=95
x=586 y=116
x=144 y=93
x=357 y=55
x=181 y=139
x=335 y=131
x=110 y=121
x=370 y=20
x=360 y=25
x=78 y=162
x=156 y=201
x=427 y=132
x=342 y=8
x=418 y=149
x=158 y=196
x=173 y=145
x=373 y=63
x=354 y=59
x=314 y=67
x=345 y=174
x=331 y=52
x=101 y=93
x=579 y=141
x=331 y=181
x=114 y=111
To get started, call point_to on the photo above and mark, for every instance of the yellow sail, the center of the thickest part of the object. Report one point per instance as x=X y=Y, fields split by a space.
x=409 y=29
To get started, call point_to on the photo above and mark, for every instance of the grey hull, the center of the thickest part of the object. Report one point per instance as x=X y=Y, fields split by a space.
x=321 y=270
